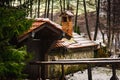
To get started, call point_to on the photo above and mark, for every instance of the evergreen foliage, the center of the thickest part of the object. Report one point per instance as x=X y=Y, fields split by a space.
x=12 y=60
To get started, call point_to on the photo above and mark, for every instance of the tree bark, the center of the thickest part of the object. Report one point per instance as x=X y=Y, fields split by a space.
x=86 y=19
x=97 y=19
x=31 y=2
x=64 y=5
x=52 y=10
x=109 y=22
x=45 y=12
x=68 y=4
x=61 y=5
x=76 y=16
x=38 y=8
x=48 y=8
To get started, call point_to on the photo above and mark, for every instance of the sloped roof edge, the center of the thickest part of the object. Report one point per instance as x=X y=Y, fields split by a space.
x=67 y=12
x=37 y=25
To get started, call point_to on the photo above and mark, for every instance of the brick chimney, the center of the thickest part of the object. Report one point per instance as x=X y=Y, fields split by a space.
x=66 y=21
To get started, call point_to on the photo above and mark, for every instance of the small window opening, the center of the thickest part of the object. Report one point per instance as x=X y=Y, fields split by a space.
x=70 y=19
x=64 y=19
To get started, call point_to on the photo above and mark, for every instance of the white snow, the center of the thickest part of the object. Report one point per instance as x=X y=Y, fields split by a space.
x=98 y=73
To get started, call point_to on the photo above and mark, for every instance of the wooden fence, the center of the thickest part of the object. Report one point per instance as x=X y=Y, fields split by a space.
x=103 y=61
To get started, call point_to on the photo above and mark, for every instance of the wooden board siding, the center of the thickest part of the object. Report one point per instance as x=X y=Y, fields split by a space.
x=46 y=33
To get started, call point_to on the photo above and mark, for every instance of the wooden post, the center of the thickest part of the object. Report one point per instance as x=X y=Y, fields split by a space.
x=39 y=72
x=63 y=73
x=89 y=72
x=44 y=49
x=114 y=76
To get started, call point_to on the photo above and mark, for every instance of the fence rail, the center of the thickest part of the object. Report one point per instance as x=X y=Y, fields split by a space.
x=88 y=62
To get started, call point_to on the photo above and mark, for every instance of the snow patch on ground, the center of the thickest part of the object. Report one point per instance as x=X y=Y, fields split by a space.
x=98 y=73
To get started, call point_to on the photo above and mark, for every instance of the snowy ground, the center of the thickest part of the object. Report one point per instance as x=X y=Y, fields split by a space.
x=98 y=73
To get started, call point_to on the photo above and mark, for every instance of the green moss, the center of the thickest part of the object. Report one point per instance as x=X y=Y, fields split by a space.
x=101 y=53
x=75 y=68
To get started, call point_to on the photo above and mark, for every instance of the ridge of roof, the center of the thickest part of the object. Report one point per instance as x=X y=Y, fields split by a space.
x=49 y=21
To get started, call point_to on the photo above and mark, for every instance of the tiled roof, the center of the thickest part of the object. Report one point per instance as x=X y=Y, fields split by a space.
x=59 y=43
x=49 y=21
x=38 y=24
x=77 y=41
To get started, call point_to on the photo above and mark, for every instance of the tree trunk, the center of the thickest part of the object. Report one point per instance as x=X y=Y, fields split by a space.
x=61 y=5
x=76 y=16
x=45 y=12
x=64 y=5
x=38 y=8
x=31 y=2
x=86 y=19
x=97 y=19
x=52 y=10
x=109 y=22
x=20 y=2
x=48 y=8
x=68 y=4
x=102 y=33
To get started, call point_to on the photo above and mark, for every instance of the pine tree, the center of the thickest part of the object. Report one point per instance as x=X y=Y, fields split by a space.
x=12 y=24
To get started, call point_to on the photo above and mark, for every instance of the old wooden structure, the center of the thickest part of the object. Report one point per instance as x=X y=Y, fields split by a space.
x=75 y=48
x=39 y=39
x=78 y=47
x=45 y=36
